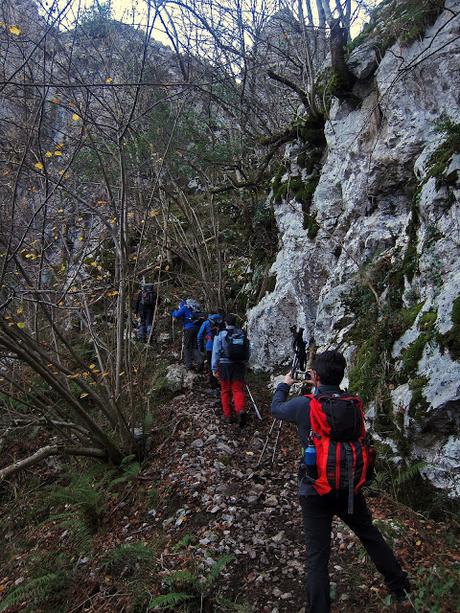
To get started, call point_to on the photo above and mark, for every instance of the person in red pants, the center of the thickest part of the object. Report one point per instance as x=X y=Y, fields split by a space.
x=230 y=353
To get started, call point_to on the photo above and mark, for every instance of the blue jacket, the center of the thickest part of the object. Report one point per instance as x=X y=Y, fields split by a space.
x=185 y=313
x=297 y=411
x=206 y=332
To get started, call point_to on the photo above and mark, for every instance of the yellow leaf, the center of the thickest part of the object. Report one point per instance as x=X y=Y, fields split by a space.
x=60 y=145
x=84 y=395
x=19 y=311
x=92 y=366
x=21 y=325
x=15 y=30
x=58 y=153
x=109 y=80
x=76 y=117
x=39 y=166
x=154 y=213
x=60 y=210
x=48 y=154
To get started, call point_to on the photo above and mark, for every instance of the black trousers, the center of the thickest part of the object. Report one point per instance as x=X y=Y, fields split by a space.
x=318 y=512
x=212 y=380
x=191 y=353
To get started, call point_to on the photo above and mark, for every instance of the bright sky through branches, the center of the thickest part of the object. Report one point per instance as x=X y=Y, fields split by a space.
x=134 y=12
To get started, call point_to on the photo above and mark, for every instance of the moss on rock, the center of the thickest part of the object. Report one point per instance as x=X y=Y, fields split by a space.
x=394 y=20
x=440 y=159
x=418 y=405
x=451 y=340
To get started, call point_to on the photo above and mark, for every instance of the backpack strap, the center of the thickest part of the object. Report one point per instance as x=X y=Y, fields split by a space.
x=350 y=475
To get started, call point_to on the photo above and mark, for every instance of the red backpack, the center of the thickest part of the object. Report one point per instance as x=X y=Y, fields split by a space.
x=344 y=457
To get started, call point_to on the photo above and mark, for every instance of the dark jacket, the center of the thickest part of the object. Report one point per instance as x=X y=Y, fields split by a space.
x=142 y=309
x=297 y=411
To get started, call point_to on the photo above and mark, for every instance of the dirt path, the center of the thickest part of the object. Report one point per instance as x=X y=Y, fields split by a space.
x=232 y=507
x=199 y=497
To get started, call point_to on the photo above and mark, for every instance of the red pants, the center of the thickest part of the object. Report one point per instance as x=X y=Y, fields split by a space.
x=232 y=384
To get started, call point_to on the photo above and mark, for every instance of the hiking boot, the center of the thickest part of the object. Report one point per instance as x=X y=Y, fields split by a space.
x=243 y=416
x=401 y=596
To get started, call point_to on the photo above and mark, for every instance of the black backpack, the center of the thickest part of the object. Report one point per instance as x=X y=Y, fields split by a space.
x=236 y=345
x=148 y=297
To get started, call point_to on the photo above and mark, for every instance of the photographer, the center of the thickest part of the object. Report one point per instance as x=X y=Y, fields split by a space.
x=318 y=510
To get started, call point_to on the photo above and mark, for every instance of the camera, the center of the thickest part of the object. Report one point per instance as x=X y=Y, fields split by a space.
x=302 y=375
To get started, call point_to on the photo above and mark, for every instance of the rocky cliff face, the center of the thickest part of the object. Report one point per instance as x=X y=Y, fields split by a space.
x=377 y=275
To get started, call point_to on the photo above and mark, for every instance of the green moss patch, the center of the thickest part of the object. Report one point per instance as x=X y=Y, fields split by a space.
x=418 y=405
x=311 y=225
x=413 y=354
x=395 y=20
x=428 y=320
x=440 y=159
x=451 y=340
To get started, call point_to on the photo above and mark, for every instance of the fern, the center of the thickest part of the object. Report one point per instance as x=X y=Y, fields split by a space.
x=169 y=601
x=127 y=554
x=130 y=472
x=409 y=473
x=182 y=579
x=35 y=591
x=81 y=533
x=82 y=493
x=217 y=568
x=185 y=541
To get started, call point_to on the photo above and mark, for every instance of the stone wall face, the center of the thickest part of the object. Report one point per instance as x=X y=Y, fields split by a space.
x=380 y=202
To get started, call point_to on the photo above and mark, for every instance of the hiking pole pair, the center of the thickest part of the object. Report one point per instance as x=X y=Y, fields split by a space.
x=253 y=403
x=275 y=446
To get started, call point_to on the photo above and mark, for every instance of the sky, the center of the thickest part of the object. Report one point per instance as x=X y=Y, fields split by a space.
x=134 y=11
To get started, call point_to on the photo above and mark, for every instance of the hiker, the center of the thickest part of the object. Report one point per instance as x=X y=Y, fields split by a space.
x=230 y=352
x=335 y=458
x=205 y=339
x=145 y=309
x=189 y=311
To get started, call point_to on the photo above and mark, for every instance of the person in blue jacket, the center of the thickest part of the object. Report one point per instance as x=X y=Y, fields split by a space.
x=205 y=339
x=189 y=312
x=318 y=511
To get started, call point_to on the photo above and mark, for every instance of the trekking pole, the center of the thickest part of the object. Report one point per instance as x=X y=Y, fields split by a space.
x=254 y=403
x=182 y=347
x=266 y=442
x=280 y=425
